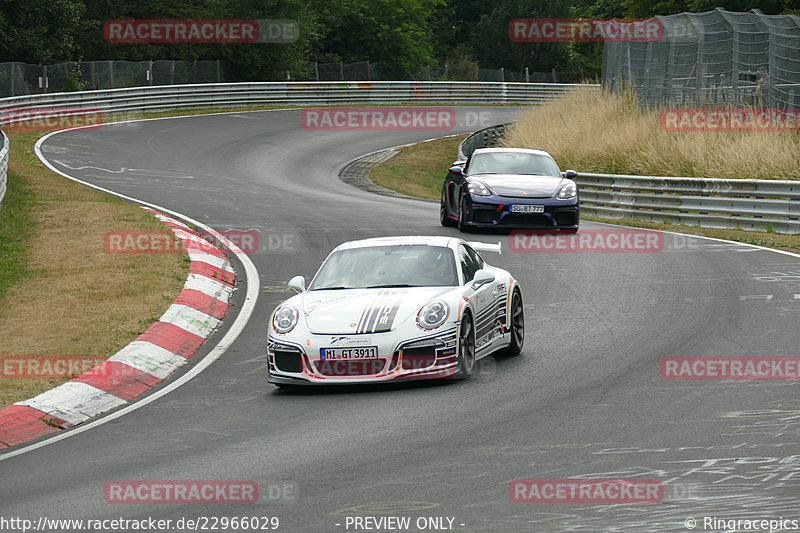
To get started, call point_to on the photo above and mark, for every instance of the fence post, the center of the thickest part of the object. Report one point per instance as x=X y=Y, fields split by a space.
x=316 y=70
x=150 y=72
x=341 y=71
x=502 y=74
x=527 y=75
x=194 y=71
x=555 y=79
x=172 y=73
x=111 y=72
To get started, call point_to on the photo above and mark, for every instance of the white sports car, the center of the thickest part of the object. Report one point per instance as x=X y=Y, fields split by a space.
x=395 y=308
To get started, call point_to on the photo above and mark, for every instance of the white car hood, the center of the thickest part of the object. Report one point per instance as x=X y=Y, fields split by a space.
x=514 y=185
x=353 y=311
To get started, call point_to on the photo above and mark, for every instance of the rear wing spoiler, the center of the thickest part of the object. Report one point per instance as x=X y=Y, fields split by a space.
x=487 y=247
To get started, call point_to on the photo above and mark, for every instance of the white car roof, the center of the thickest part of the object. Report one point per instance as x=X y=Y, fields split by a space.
x=511 y=150
x=401 y=240
x=424 y=240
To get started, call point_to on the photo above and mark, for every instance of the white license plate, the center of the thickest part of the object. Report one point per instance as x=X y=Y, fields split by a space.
x=523 y=208
x=362 y=352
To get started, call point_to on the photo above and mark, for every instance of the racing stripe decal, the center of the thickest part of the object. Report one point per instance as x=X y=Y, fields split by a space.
x=379 y=316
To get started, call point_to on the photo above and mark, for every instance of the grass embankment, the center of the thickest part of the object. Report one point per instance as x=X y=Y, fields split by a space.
x=610 y=134
x=418 y=170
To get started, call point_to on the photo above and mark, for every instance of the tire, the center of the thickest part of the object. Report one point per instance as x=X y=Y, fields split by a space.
x=466 y=348
x=517 y=320
x=445 y=220
x=462 y=216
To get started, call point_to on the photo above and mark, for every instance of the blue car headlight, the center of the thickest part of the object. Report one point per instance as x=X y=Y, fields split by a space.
x=433 y=314
x=285 y=319
x=569 y=190
x=478 y=188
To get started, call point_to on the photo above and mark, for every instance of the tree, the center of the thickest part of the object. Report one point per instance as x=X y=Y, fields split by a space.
x=494 y=48
x=394 y=33
x=40 y=31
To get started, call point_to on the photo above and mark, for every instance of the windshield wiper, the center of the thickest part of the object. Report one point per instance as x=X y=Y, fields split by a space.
x=330 y=288
x=390 y=286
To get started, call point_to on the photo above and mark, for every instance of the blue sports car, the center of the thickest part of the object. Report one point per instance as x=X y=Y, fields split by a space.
x=509 y=187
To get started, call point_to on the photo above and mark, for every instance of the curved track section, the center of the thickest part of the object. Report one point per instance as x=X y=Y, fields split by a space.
x=585 y=400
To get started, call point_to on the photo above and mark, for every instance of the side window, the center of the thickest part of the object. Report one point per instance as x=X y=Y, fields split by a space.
x=468 y=264
x=475 y=257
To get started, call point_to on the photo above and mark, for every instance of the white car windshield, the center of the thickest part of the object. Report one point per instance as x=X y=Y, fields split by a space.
x=513 y=163
x=387 y=266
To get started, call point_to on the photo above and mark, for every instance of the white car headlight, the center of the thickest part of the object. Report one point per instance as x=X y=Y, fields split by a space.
x=479 y=188
x=570 y=190
x=433 y=314
x=285 y=319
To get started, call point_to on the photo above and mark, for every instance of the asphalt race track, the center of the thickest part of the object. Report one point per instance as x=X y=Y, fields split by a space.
x=584 y=400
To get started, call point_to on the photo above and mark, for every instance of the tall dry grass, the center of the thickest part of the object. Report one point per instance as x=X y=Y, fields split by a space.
x=609 y=133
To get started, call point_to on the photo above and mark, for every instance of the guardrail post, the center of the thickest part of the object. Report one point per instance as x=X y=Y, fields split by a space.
x=43 y=83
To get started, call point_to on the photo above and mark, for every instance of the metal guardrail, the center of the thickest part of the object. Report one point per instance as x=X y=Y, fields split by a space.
x=4 y=151
x=168 y=97
x=755 y=205
x=491 y=136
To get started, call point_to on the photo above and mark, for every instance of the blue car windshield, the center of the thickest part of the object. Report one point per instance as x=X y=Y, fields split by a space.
x=387 y=266
x=513 y=163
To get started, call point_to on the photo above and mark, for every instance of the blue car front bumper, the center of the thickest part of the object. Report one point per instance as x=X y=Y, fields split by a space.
x=496 y=211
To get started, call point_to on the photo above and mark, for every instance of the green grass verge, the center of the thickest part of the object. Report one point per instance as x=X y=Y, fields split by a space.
x=17 y=227
x=418 y=170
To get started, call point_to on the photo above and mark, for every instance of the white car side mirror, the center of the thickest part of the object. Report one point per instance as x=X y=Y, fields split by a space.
x=298 y=283
x=482 y=277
